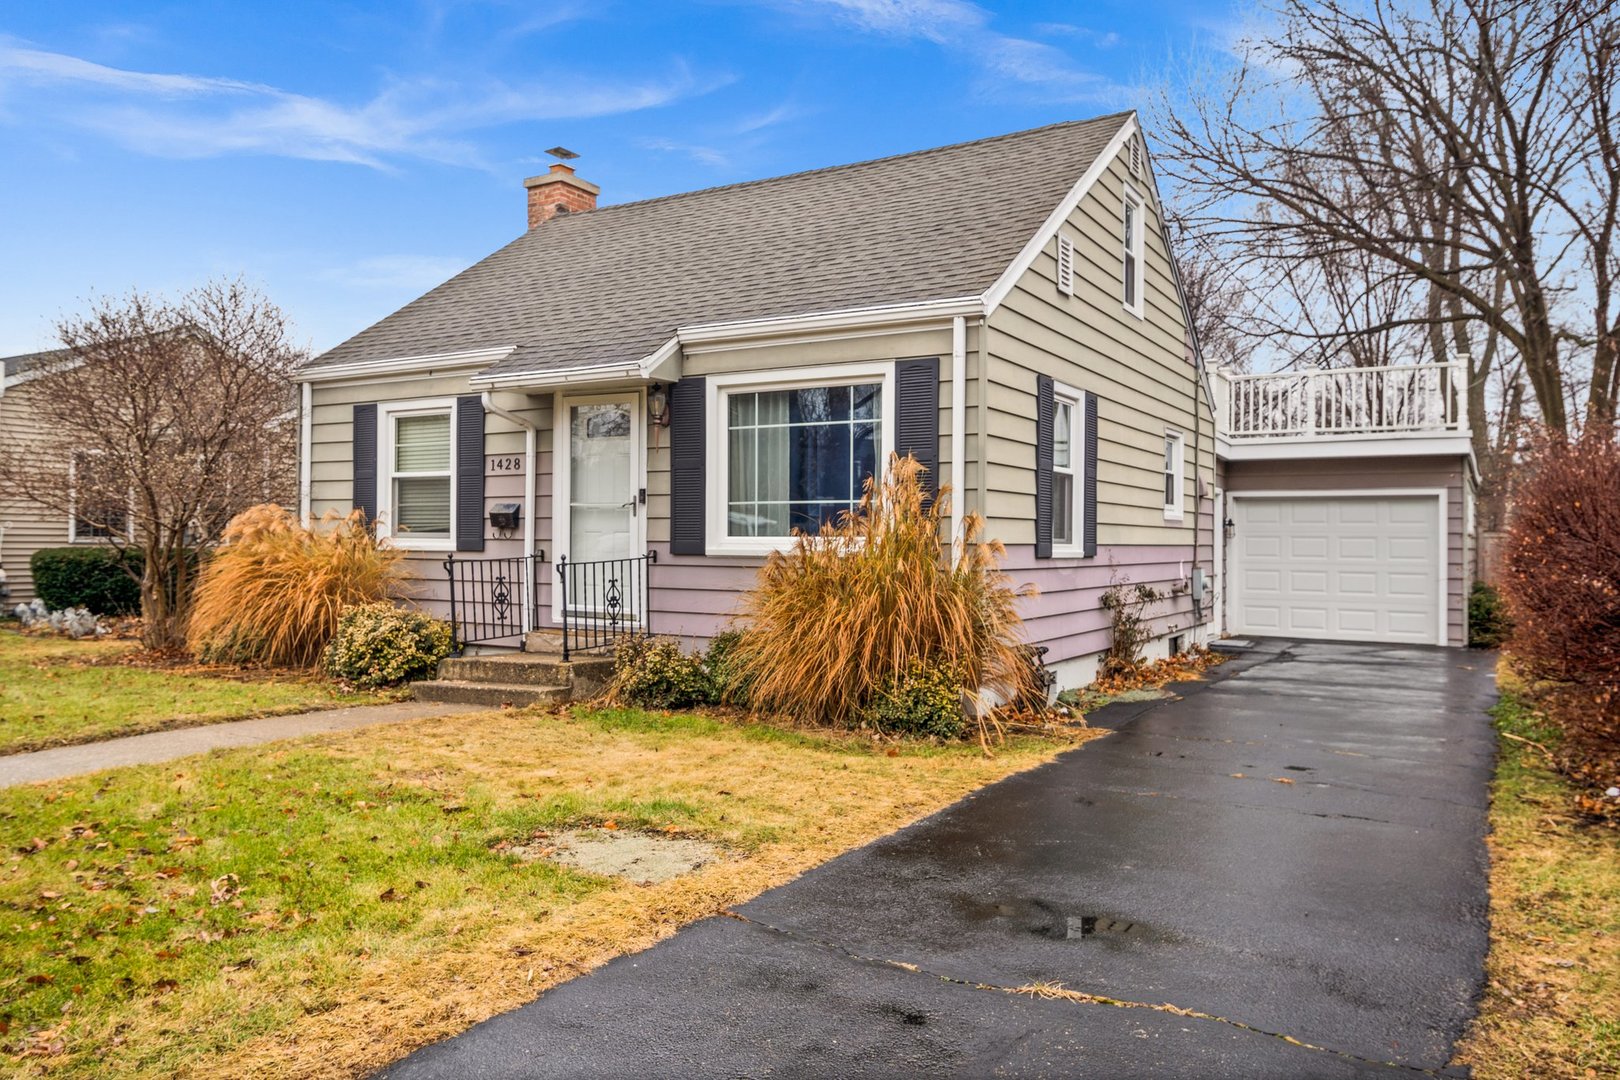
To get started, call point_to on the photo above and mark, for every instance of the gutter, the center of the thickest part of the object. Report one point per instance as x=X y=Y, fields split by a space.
x=530 y=434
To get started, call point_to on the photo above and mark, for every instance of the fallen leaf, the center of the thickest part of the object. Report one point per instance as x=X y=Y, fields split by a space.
x=388 y=895
x=1281 y=780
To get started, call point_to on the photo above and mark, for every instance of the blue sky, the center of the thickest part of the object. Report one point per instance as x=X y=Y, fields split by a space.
x=348 y=156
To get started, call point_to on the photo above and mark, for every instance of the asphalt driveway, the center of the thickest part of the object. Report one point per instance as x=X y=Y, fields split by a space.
x=1283 y=874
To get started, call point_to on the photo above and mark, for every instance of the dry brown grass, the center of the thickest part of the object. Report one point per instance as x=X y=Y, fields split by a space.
x=273 y=593
x=858 y=603
x=344 y=999
x=1552 y=999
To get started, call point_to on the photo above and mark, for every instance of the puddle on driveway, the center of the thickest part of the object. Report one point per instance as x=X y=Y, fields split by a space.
x=1043 y=919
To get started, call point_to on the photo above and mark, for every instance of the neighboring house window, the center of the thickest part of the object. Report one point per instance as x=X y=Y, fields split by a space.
x=1065 y=439
x=1133 y=253
x=94 y=516
x=1174 y=474
x=793 y=457
x=418 y=474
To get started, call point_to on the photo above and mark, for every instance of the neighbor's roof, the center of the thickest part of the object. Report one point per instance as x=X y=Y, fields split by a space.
x=17 y=365
x=612 y=285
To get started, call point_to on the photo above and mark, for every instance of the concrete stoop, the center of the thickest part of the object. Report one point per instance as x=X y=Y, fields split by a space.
x=537 y=676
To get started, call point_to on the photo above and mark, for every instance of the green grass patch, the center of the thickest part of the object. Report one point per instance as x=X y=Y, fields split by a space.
x=58 y=692
x=1552 y=1001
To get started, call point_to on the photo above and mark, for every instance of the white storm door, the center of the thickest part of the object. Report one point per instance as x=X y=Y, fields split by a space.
x=599 y=480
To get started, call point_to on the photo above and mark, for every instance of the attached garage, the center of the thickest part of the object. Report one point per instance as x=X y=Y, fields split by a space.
x=1339 y=566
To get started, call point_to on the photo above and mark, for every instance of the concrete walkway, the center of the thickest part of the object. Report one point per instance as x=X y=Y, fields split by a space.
x=64 y=761
x=1282 y=875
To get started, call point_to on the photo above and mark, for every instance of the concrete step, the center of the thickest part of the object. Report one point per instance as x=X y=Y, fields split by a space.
x=512 y=669
x=493 y=695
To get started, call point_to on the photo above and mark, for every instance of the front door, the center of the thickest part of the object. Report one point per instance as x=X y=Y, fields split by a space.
x=600 y=496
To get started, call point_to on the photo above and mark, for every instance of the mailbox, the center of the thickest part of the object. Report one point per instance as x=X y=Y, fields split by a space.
x=505 y=515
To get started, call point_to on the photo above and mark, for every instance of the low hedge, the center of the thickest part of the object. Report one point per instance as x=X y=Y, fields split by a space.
x=87 y=577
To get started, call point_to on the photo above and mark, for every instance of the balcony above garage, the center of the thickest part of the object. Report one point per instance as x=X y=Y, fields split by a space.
x=1342 y=412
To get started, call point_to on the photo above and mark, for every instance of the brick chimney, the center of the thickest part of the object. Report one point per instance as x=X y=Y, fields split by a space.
x=559 y=192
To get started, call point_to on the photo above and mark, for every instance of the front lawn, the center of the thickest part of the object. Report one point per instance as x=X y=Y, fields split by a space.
x=326 y=906
x=56 y=692
x=1552 y=1000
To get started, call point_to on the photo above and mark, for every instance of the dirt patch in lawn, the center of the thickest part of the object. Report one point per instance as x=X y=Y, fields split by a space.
x=642 y=858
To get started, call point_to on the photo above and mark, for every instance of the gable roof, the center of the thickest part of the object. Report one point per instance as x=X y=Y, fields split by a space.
x=12 y=367
x=612 y=285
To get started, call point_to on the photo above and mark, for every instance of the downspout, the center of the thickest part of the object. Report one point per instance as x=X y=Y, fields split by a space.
x=306 y=439
x=984 y=417
x=531 y=434
x=958 y=427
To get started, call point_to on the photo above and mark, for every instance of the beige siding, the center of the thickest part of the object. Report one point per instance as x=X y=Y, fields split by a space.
x=1139 y=368
x=26 y=527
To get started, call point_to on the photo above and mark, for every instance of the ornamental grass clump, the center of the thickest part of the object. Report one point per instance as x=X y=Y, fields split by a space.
x=274 y=591
x=843 y=614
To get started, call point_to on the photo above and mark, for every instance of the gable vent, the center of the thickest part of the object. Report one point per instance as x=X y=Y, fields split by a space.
x=1065 y=265
x=1136 y=157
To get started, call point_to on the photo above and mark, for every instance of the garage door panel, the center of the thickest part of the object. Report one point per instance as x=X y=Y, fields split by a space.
x=1349 y=567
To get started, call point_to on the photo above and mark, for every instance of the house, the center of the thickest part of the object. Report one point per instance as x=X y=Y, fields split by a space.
x=613 y=420
x=28 y=527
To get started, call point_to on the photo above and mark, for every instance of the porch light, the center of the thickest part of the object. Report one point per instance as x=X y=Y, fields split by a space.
x=658 y=405
x=1229 y=527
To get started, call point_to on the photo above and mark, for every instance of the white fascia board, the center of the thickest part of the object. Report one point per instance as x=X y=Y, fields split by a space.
x=403 y=365
x=850 y=318
x=1345 y=446
x=1060 y=214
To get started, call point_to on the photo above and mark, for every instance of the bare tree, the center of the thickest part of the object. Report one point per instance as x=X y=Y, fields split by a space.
x=1459 y=153
x=162 y=420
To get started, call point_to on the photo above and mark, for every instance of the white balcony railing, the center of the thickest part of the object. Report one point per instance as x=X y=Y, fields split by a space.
x=1415 y=399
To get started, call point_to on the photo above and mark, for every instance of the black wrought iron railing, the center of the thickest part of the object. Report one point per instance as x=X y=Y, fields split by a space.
x=487 y=597
x=602 y=601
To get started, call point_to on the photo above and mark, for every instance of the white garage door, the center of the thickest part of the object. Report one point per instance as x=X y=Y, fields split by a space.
x=1341 y=568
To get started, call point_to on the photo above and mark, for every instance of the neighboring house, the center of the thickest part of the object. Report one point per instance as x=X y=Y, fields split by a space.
x=655 y=394
x=27 y=527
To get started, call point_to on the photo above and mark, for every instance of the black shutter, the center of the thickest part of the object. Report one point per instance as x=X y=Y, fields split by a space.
x=916 y=427
x=364 y=453
x=687 y=480
x=1089 y=494
x=1045 y=413
x=469 y=467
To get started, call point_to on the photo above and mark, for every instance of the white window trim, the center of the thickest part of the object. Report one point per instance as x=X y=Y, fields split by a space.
x=1076 y=400
x=716 y=390
x=387 y=413
x=1137 y=243
x=1065 y=265
x=1177 y=511
x=73 y=504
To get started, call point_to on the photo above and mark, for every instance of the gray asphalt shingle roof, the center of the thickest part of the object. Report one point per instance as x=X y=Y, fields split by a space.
x=17 y=365
x=612 y=285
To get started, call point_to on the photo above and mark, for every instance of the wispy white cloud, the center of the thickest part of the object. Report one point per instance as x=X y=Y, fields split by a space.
x=402 y=273
x=966 y=29
x=707 y=155
x=183 y=115
x=1097 y=38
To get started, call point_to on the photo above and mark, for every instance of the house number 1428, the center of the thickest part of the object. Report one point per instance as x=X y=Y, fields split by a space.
x=505 y=464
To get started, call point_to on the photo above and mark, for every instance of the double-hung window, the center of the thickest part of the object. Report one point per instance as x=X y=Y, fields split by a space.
x=98 y=513
x=419 y=480
x=795 y=455
x=1068 y=470
x=1174 y=474
x=1133 y=253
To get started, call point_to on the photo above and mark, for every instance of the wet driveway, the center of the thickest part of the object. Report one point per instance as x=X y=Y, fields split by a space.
x=1283 y=874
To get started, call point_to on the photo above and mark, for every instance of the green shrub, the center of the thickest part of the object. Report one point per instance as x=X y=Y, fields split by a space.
x=88 y=577
x=926 y=701
x=728 y=683
x=653 y=673
x=378 y=644
x=1488 y=622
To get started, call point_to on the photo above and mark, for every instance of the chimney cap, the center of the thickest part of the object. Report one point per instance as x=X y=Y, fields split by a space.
x=562 y=153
